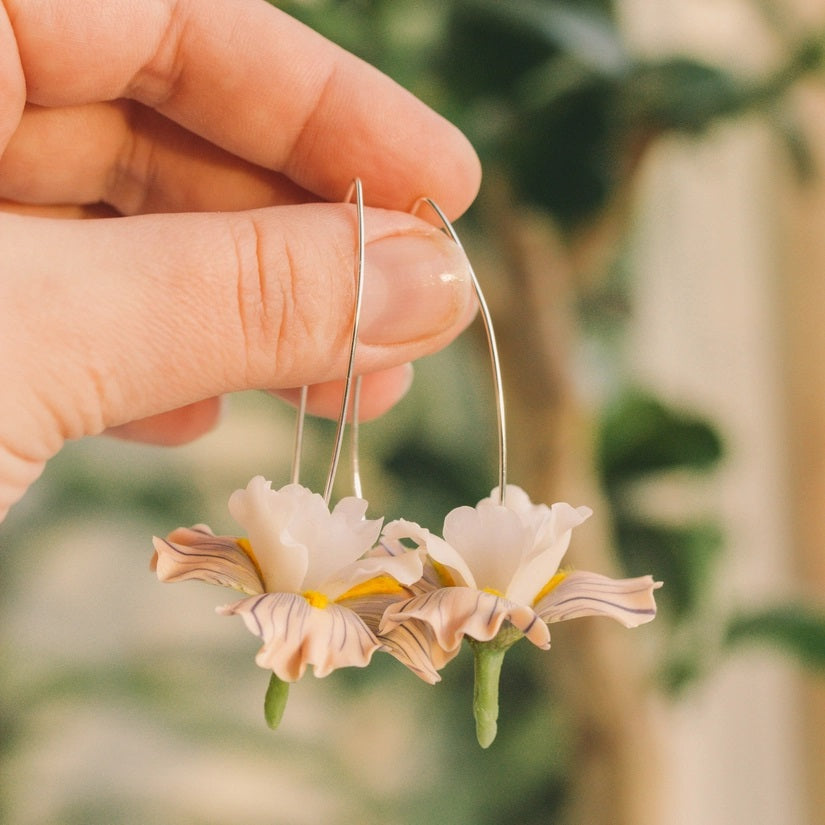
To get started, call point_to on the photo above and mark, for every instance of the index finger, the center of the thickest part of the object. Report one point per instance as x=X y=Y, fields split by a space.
x=255 y=81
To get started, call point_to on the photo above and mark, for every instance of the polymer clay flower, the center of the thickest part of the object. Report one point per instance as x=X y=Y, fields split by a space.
x=412 y=643
x=300 y=566
x=497 y=567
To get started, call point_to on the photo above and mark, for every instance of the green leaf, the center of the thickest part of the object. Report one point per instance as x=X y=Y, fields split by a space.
x=561 y=156
x=505 y=39
x=794 y=628
x=678 y=672
x=275 y=701
x=486 y=53
x=681 y=94
x=640 y=435
x=681 y=556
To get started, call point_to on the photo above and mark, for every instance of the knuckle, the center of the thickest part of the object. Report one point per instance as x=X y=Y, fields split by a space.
x=158 y=79
x=134 y=169
x=287 y=294
x=254 y=301
x=270 y=310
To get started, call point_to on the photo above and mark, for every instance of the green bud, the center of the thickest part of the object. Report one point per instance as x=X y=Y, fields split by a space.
x=275 y=701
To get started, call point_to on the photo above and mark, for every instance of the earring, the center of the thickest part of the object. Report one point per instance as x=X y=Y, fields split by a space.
x=328 y=587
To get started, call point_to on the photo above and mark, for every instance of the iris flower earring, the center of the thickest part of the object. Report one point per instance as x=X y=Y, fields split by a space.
x=494 y=574
x=327 y=587
x=301 y=565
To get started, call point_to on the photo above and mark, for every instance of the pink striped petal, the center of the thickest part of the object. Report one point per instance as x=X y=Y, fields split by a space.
x=414 y=644
x=296 y=634
x=199 y=554
x=628 y=601
x=455 y=612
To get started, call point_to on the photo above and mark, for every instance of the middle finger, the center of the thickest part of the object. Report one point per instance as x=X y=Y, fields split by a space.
x=130 y=157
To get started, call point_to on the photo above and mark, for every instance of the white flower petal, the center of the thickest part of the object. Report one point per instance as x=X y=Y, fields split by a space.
x=199 y=554
x=438 y=549
x=553 y=529
x=335 y=540
x=492 y=541
x=546 y=523
x=429 y=578
x=266 y=515
x=296 y=634
x=515 y=499
x=399 y=529
x=550 y=542
x=628 y=601
x=454 y=612
x=298 y=543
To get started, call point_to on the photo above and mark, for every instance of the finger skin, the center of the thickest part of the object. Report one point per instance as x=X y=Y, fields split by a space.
x=249 y=78
x=117 y=319
x=62 y=211
x=172 y=428
x=379 y=392
x=12 y=81
x=133 y=159
x=162 y=106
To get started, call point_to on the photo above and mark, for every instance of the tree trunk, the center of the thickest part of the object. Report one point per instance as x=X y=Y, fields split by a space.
x=803 y=310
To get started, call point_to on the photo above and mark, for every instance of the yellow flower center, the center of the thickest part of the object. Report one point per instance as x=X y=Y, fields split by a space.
x=443 y=573
x=316 y=599
x=380 y=585
x=554 y=582
x=493 y=592
x=246 y=546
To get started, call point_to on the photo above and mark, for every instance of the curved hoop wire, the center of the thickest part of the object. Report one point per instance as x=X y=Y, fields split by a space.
x=352 y=383
x=295 y=475
x=357 y=189
x=491 y=344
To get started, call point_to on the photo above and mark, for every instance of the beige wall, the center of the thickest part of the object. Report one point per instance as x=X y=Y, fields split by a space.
x=730 y=307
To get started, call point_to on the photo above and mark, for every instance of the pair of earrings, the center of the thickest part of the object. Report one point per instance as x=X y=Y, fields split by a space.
x=327 y=587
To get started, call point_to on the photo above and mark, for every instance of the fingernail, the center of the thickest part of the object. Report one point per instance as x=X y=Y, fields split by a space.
x=415 y=286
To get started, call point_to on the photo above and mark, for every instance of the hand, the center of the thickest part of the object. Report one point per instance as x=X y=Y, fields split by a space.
x=201 y=137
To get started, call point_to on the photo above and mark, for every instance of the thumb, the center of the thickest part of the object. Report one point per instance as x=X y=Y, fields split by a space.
x=108 y=321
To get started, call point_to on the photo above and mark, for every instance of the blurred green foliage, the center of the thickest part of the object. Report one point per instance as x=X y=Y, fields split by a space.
x=642 y=438
x=640 y=435
x=795 y=629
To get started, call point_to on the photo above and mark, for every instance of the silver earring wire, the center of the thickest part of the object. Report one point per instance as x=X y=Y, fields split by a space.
x=299 y=435
x=353 y=434
x=491 y=344
x=357 y=189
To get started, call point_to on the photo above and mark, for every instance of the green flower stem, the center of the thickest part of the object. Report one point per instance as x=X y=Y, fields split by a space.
x=275 y=701
x=487 y=659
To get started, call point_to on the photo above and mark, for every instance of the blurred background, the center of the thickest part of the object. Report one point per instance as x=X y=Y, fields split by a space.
x=651 y=238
